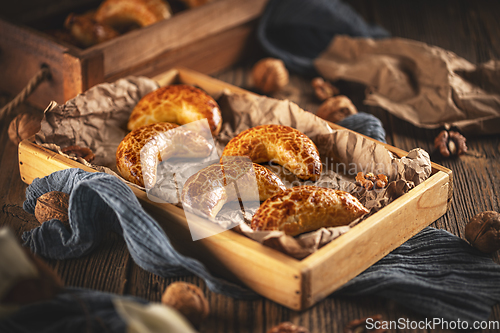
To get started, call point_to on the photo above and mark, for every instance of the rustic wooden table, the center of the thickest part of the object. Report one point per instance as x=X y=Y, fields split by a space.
x=470 y=29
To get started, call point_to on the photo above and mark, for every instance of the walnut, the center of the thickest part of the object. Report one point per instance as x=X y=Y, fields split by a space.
x=288 y=327
x=359 y=326
x=189 y=300
x=335 y=109
x=24 y=125
x=323 y=89
x=269 y=75
x=450 y=143
x=52 y=205
x=77 y=151
x=483 y=231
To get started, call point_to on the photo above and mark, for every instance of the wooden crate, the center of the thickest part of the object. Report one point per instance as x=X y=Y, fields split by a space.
x=207 y=39
x=296 y=284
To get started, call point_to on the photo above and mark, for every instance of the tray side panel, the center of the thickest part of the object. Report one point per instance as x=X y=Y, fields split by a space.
x=184 y=28
x=208 y=55
x=338 y=262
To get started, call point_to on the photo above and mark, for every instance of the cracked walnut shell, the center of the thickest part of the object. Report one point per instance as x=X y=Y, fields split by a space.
x=269 y=75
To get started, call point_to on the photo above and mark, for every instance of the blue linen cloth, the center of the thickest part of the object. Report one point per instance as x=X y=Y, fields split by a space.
x=366 y=124
x=297 y=31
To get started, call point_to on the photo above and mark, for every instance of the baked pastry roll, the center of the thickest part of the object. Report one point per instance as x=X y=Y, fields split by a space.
x=86 y=31
x=208 y=190
x=121 y=14
x=306 y=208
x=178 y=104
x=164 y=140
x=279 y=144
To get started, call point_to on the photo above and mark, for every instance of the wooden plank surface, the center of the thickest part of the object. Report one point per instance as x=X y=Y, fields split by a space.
x=470 y=29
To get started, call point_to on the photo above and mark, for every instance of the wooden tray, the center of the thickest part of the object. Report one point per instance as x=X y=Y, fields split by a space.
x=207 y=39
x=296 y=284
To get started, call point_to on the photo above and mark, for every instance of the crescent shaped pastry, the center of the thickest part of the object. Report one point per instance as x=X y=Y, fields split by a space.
x=162 y=140
x=209 y=189
x=178 y=104
x=280 y=144
x=306 y=208
x=87 y=31
x=122 y=13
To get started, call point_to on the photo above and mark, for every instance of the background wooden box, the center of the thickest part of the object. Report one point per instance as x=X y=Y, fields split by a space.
x=206 y=39
x=296 y=284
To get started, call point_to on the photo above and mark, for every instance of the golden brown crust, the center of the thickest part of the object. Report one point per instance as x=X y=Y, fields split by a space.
x=307 y=208
x=121 y=13
x=207 y=190
x=179 y=104
x=279 y=144
x=178 y=142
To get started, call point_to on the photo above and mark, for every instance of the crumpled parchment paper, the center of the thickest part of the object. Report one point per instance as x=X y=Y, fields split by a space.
x=97 y=119
x=425 y=85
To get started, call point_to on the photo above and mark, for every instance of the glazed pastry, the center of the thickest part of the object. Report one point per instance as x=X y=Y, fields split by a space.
x=86 y=31
x=162 y=141
x=306 y=208
x=178 y=104
x=209 y=189
x=121 y=14
x=279 y=144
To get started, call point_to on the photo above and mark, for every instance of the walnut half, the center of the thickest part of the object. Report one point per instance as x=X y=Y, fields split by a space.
x=450 y=143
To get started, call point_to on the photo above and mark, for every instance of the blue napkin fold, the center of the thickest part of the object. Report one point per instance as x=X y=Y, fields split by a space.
x=297 y=31
x=436 y=274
